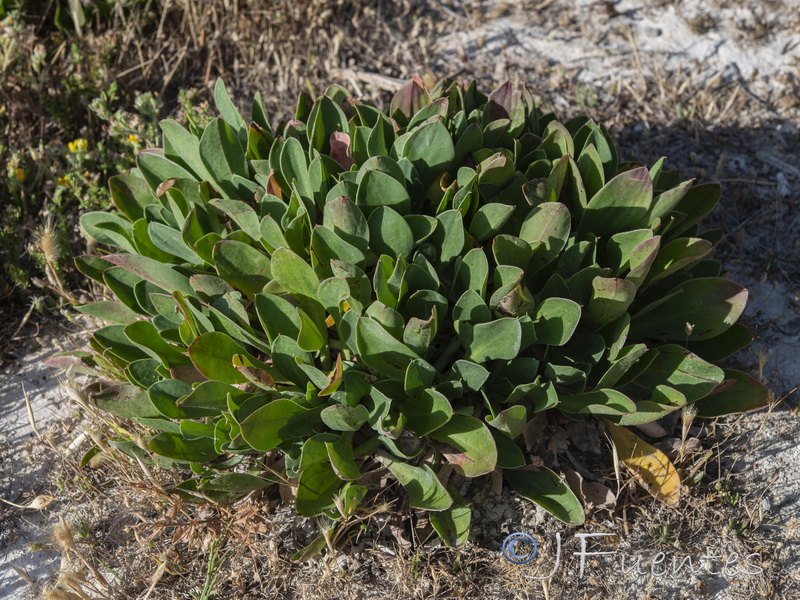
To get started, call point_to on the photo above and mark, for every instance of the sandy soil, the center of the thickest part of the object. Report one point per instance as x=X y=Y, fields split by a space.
x=26 y=461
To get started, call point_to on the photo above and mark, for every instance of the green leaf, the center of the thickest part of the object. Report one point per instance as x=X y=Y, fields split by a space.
x=310 y=551
x=223 y=156
x=619 y=206
x=489 y=220
x=663 y=401
x=389 y=233
x=211 y=397
x=619 y=367
x=131 y=195
x=710 y=305
x=113 y=339
x=156 y=168
x=620 y=246
x=471 y=273
x=424 y=489
x=676 y=255
x=427 y=412
x=236 y=482
x=212 y=354
x=108 y=228
x=165 y=239
x=109 y=311
x=471 y=374
x=641 y=260
x=316 y=489
x=513 y=251
x=92 y=266
x=380 y=351
x=328 y=119
x=126 y=401
x=597 y=402
x=448 y=238
x=340 y=454
x=555 y=320
x=183 y=148
x=209 y=286
x=277 y=422
x=610 y=299
x=226 y=107
x=177 y=447
x=511 y=421
x=157 y=273
x=295 y=275
x=294 y=167
x=244 y=267
x=724 y=345
x=419 y=375
x=682 y=370
x=346 y=220
x=737 y=393
x=473 y=450
x=546 y=229
x=328 y=246
x=278 y=316
x=344 y=418
x=313 y=336
x=546 y=489
x=419 y=333
x=165 y=394
x=452 y=525
x=377 y=188
x=470 y=309
x=494 y=340
x=240 y=213
x=430 y=149
x=145 y=335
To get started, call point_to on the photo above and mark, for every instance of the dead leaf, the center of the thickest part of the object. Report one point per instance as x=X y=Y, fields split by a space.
x=599 y=495
x=340 y=149
x=38 y=503
x=288 y=492
x=334 y=379
x=584 y=436
x=575 y=482
x=534 y=430
x=649 y=466
x=590 y=493
x=672 y=446
x=652 y=429
x=187 y=373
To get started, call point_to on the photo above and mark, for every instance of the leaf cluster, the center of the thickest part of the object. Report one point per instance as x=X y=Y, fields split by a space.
x=404 y=290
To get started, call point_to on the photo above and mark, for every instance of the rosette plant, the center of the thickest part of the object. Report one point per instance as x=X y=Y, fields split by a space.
x=357 y=292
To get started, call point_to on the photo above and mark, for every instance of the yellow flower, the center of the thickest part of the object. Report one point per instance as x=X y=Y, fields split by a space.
x=19 y=173
x=79 y=145
x=133 y=138
x=63 y=181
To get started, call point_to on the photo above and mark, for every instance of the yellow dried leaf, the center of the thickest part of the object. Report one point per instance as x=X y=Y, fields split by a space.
x=38 y=503
x=330 y=322
x=649 y=466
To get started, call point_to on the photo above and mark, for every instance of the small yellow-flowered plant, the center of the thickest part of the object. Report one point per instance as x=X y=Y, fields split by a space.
x=133 y=138
x=19 y=173
x=63 y=181
x=79 y=145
